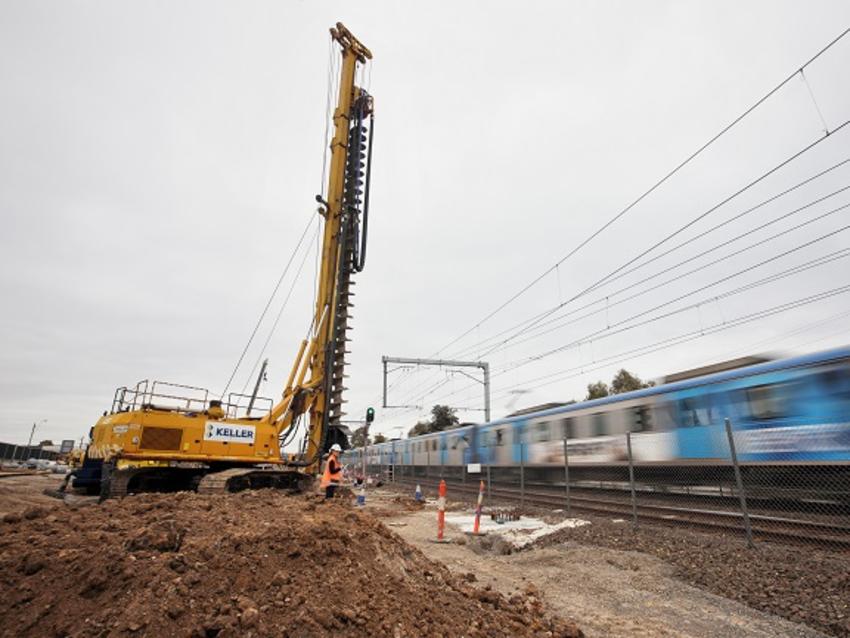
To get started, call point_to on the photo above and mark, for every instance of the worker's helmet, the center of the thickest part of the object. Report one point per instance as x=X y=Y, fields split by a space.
x=336 y=448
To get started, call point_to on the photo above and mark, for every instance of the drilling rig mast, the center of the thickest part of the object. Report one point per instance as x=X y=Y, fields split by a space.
x=155 y=438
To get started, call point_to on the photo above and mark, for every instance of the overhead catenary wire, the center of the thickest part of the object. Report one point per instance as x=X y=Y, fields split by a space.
x=528 y=324
x=652 y=188
x=799 y=329
x=595 y=337
x=696 y=334
x=598 y=283
x=680 y=276
x=604 y=332
x=592 y=338
x=537 y=319
x=630 y=354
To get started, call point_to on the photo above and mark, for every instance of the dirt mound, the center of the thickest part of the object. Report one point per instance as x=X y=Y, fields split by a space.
x=249 y=564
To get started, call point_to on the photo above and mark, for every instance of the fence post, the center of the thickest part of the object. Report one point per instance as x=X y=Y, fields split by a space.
x=567 y=476
x=427 y=460
x=740 y=484
x=522 y=474
x=632 y=478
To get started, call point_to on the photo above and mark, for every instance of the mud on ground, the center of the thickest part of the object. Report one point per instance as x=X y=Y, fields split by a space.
x=247 y=564
x=17 y=493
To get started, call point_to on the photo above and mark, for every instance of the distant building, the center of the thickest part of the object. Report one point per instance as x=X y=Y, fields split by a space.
x=723 y=366
x=539 y=408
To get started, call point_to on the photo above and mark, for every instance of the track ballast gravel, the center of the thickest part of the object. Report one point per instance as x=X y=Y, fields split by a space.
x=804 y=585
x=249 y=564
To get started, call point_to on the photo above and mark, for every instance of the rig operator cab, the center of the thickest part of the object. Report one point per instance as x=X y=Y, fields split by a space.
x=163 y=437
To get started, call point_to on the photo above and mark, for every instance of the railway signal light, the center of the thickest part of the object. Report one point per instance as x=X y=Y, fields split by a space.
x=370 y=415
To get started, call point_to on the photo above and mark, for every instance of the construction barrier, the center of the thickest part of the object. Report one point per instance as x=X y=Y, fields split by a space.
x=478 y=508
x=441 y=510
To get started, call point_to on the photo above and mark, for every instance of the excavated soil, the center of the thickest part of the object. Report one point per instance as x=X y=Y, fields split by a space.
x=248 y=564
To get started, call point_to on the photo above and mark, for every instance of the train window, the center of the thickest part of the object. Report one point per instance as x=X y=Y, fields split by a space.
x=642 y=418
x=541 y=432
x=768 y=402
x=567 y=429
x=836 y=382
x=519 y=431
x=665 y=415
x=499 y=438
x=599 y=424
x=695 y=412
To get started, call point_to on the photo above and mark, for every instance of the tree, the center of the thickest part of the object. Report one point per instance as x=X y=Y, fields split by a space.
x=597 y=390
x=379 y=438
x=359 y=438
x=422 y=427
x=625 y=381
x=443 y=418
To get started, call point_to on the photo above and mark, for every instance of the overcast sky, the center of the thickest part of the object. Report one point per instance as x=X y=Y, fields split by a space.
x=158 y=162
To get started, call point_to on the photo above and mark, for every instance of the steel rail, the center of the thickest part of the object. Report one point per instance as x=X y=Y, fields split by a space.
x=780 y=529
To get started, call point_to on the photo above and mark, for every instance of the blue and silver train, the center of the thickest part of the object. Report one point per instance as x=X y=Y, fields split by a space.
x=785 y=412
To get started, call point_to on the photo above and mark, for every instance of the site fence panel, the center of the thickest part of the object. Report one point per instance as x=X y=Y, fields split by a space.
x=22 y=453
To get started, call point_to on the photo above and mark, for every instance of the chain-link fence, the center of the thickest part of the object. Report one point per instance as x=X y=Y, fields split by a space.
x=758 y=487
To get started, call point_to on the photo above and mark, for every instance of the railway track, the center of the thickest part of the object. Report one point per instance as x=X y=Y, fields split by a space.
x=764 y=528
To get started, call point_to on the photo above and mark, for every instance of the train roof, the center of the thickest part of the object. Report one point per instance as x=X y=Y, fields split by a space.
x=727 y=375
x=760 y=368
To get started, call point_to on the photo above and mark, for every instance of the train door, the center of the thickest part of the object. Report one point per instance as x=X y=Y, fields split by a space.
x=486 y=442
x=699 y=431
x=519 y=449
x=474 y=445
x=444 y=446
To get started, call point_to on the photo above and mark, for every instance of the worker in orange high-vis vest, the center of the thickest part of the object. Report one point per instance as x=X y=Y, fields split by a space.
x=333 y=472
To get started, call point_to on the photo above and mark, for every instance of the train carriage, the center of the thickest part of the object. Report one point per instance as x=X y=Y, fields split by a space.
x=791 y=413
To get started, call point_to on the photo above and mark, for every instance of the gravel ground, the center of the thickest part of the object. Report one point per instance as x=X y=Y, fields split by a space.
x=806 y=586
x=803 y=585
x=615 y=593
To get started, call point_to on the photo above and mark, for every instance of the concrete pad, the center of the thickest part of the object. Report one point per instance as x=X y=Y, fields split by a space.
x=518 y=533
